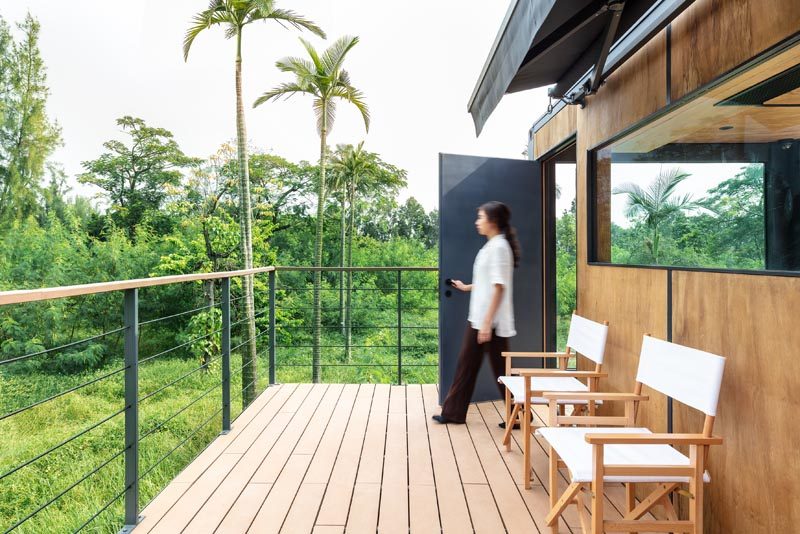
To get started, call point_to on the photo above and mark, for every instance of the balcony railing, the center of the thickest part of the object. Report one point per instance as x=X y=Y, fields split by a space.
x=175 y=371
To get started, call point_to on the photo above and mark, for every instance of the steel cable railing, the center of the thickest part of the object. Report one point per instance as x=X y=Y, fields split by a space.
x=374 y=284
x=219 y=338
x=222 y=371
x=61 y=347
x=62 y=393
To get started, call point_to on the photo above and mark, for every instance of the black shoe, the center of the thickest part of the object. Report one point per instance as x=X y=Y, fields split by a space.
x=444 y=420
x=503 y=425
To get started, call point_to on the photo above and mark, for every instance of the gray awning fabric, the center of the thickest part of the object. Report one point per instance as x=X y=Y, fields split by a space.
x=544 y=42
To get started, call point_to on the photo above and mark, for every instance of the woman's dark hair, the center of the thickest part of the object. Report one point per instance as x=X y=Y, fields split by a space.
x=500 y=214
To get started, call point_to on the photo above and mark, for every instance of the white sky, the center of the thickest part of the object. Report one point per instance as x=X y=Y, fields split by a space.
x=417 y=64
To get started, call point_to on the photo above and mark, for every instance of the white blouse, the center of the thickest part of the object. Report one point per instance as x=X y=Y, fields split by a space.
x=494 y=264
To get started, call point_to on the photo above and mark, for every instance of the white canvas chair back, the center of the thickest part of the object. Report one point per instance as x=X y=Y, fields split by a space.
x=690 y=376
x=588 y=338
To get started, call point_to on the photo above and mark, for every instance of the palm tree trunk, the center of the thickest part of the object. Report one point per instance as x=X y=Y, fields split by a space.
x=249 y=355
x=315 y=372
x=656 y=238
x=348 y=306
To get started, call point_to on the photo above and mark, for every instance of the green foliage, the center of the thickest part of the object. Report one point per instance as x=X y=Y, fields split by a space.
x=657 y=205
x=162 y=212
x=724 y=230
x=234 y=15
x=566 y=273
x=323 y=77
x=135 y=176
x=27 y=136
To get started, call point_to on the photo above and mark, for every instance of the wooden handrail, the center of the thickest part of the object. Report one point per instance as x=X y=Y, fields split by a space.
x=353 y=269
x=32 y=295
x=47 y=293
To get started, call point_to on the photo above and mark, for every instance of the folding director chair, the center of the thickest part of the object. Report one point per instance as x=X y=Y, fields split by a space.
x=586 y=338
x=596 y=456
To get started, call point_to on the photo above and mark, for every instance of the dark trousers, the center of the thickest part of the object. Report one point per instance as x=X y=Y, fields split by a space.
x=469 y=364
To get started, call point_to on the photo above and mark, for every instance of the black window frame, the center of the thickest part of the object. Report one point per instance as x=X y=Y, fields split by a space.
x=591 y=168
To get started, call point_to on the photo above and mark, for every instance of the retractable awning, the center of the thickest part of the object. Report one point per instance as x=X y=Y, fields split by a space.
x=573 y=44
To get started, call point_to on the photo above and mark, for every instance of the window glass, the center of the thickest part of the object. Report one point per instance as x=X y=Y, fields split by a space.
x=714 y=183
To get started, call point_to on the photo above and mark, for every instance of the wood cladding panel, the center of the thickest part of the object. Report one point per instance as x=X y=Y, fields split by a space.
x=634 y=302
x=555 y=132
x=753 y=322
x=634 y=91
x=699 y=119
x=713 y=36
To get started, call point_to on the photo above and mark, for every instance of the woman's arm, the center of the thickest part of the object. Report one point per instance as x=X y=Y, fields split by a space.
x=485 y=333
x=458 y=284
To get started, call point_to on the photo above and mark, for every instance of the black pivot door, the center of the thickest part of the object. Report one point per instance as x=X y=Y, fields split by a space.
x=466 y=182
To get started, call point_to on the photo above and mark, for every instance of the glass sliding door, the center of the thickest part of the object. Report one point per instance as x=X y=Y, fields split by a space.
x=560 y=245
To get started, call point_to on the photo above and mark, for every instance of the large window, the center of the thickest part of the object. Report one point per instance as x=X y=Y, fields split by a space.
x=713 y=184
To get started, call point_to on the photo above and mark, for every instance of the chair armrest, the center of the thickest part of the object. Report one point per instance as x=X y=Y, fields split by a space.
x=590 y=395
x=541 y=373
x=559 y=355
x=652 y=439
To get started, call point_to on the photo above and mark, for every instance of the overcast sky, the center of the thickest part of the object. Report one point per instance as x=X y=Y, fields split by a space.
x=417 y=64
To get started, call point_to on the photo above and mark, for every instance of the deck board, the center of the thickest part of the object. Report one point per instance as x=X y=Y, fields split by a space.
x=359 y=458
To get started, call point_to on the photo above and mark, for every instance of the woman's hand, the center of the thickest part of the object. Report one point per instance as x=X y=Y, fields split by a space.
x=484 y=334
x=461 y=286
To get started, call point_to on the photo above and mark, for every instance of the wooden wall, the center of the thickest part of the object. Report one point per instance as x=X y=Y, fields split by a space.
x=753 y=320
x=555 y=132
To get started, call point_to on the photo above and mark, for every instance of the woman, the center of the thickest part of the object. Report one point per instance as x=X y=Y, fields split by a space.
x=491 y=310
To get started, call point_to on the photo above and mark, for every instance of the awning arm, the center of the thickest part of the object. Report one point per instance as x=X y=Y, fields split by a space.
x=616 y=8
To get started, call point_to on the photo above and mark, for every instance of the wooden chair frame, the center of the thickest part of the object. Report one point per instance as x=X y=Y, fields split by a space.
x=577 y=492
x=523 y=412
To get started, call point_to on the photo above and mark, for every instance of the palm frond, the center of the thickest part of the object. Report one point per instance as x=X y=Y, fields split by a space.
x=312 y=53
x=324 y=108
x=334 y=56
x=300 y=67
x=262 y=7
x=658 y=202
x=215 y=14
x=297 y=21
x=283 y=90
x=323 y=78
x=355 y=97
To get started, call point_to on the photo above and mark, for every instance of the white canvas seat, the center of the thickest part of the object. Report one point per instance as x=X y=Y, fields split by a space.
x=571 y=446
x=516 y=385
x=524 y=386
x=596 y=455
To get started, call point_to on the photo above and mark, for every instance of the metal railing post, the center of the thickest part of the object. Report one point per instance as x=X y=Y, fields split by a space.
x=225 y=289
x=399 y=327
x=131 y=323
x=271 y=328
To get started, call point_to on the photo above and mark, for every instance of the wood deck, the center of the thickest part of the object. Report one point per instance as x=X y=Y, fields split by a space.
x=331 y=458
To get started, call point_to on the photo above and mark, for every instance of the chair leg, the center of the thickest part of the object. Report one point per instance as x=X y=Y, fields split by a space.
x=511 y=419
x=630 y=499
x=507 y=397
x=598 y=476
x=553 y=476
x=583 y=515
x=697 y=461
x=526 y=435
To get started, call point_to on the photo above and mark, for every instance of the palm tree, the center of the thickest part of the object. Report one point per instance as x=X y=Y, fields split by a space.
x=657 y=204
x=359 y=171
x=234 y=15
x=322 y=77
